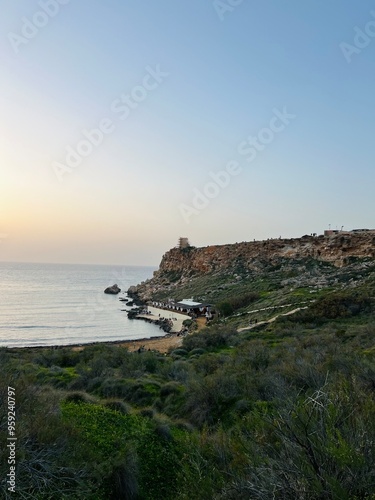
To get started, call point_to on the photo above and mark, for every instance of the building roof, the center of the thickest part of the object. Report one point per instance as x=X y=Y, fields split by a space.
x=189 y=303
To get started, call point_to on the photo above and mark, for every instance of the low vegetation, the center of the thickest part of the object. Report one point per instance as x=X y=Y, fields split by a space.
x=236 y=302
x=284 y=410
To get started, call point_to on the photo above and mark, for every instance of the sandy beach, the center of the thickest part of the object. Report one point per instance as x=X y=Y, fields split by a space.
x=175 y=317
x=163 y=343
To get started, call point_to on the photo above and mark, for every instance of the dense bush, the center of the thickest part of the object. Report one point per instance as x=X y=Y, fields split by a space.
x=336 y=305
x=225 y=308
x=339 y=305
x=231 y=304
x=211 y=338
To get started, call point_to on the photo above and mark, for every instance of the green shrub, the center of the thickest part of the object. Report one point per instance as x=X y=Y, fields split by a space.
x=78 y=397
x=123 y=479
x=197 y=351
x=336 y=305
x=140 y=392
x=231 y=304
x=170 y=388
x=179 y=352
x=225 y=309
x=210 y=338
x=147 y=412
x=117 y=405
x=341 y=305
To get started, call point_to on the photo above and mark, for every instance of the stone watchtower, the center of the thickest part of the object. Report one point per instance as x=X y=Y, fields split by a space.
x=183 y=243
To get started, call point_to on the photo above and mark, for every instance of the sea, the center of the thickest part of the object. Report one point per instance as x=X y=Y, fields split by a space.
x=64 y=304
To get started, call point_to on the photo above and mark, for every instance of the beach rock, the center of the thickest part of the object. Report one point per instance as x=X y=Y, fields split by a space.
x=112 y=290
x=134 y=312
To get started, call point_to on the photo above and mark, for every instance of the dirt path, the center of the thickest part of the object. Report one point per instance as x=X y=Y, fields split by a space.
x=270 y=320
x=273 y=307
x=201 y=322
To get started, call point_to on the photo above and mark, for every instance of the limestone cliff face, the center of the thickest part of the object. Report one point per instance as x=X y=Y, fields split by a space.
x=179 y=265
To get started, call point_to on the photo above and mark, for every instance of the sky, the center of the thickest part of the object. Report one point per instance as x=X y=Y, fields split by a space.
x=125 y=125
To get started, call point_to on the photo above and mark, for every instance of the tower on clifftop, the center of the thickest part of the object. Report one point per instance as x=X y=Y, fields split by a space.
x=183 y=243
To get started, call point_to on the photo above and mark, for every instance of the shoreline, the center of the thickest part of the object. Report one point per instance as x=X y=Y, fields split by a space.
x=160 y=343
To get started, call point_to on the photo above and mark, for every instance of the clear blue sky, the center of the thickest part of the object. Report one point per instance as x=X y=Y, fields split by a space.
x=227 y=72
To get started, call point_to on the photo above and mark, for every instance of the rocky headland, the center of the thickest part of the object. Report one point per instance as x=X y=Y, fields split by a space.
x=213 y=271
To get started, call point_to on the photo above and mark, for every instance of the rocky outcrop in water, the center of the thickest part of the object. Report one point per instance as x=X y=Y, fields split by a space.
x=112 y=290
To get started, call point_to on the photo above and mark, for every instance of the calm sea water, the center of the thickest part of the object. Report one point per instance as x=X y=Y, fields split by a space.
x=61 y=304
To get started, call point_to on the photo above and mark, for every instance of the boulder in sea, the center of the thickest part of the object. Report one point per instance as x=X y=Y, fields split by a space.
x=113 y=290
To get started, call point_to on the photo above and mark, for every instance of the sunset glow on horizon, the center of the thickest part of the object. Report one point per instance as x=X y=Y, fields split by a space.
x=118 y=123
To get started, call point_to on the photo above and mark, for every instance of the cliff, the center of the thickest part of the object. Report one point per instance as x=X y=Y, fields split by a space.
x=179 y=267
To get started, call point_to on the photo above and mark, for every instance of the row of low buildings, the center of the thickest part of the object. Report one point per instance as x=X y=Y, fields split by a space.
x=187 y=306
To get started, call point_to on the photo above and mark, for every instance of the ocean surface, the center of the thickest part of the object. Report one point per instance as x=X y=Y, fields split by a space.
x=62 y=304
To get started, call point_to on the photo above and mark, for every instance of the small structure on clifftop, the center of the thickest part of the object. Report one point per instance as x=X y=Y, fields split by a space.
x=183 y=243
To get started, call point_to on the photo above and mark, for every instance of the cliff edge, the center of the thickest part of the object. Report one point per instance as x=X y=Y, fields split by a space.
x=249 y=260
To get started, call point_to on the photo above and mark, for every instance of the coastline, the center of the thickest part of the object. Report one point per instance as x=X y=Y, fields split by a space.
x=77 y=312
x=161 y=343
x=170 y=323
